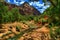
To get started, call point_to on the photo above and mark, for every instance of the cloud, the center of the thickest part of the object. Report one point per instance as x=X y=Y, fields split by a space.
x=40 y=7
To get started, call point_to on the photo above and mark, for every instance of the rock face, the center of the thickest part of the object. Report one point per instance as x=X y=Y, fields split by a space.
x=25 y=9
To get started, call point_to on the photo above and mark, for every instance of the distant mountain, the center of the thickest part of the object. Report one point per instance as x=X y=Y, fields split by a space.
x=27 y=9
x=24 y=9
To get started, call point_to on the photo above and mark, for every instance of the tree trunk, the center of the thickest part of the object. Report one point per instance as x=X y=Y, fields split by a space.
x=52 y=3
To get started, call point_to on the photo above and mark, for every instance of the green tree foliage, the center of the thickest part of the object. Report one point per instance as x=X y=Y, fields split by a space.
x=53 y=12
x=14 y=15
x=1 y=0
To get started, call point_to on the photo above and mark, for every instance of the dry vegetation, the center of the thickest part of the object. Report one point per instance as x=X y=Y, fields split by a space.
x=40 y=32
x=29 y=26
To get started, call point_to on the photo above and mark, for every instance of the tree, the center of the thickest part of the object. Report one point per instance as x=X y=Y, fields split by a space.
x=1 y=0
x=53 y=2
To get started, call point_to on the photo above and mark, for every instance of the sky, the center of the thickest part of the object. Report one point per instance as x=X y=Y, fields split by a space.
x=39 y=5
